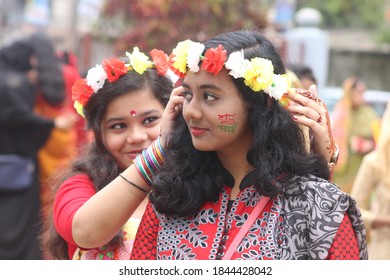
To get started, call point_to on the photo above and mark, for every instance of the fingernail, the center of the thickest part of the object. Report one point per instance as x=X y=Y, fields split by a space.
x=295 y=118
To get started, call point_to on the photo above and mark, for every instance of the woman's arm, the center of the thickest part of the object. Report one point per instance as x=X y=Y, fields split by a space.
x=102 y=216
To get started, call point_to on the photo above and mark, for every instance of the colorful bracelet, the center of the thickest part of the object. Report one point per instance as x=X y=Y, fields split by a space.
x=150 y=161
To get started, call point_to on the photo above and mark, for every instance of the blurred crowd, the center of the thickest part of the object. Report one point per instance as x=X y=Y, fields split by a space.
x=38 y=125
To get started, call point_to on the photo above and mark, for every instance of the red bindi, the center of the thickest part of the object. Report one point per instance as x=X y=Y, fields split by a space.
x=132 y=113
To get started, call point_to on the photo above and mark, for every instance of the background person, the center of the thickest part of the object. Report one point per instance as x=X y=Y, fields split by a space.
x=23 y=133
x=53 y=100
x=371 y=189
x=352 y=120
x=304 y=73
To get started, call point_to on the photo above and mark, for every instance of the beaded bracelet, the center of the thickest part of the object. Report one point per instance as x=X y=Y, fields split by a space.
x=150 y=161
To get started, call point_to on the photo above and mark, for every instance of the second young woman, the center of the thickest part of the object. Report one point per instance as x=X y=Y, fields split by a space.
x=123 y=105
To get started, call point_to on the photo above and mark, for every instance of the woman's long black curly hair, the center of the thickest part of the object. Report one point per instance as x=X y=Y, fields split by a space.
x=97 y=162
x=191 y=177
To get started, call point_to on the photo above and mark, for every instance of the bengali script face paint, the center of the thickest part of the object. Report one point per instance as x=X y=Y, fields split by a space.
x=228 y=123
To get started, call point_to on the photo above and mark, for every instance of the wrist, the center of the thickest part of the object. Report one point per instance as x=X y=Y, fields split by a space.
x=150 y=161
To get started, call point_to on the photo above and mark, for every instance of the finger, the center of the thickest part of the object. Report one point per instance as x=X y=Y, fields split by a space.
x=306 y=99
x=301 y=119
x=299 y=109
x=177 y=91
x=316 y=127
x=309 y=103
x=175 y=101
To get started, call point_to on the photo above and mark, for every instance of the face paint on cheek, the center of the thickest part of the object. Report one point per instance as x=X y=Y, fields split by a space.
x=228 y=123
x=132 y=113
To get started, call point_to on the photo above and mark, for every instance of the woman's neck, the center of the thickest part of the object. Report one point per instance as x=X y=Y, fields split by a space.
x=238 y=167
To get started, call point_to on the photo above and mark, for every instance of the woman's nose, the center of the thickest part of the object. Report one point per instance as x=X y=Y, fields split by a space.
x=192 y=110
x=137 y=135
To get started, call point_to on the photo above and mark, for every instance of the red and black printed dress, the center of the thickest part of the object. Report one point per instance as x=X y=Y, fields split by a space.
x=312 y=219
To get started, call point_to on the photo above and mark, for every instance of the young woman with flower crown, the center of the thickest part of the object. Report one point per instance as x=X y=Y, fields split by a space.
x=237 y=181
x=234 y=147
x=123 y=105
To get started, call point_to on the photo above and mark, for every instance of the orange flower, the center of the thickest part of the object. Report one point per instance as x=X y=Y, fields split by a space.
x=160 y=60
x=81 y=92
x=114 y=68
x=214 y=60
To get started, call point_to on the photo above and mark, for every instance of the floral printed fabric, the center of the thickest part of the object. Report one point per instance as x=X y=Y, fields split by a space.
x=301 y=223
x=314 y=210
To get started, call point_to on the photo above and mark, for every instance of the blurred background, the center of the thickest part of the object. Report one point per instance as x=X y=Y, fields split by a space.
x=357 y=33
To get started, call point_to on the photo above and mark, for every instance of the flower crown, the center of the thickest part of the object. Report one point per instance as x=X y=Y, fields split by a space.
x=112 y=69
x=258 y=73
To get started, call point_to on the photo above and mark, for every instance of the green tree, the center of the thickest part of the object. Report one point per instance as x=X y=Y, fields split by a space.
x=348 y=13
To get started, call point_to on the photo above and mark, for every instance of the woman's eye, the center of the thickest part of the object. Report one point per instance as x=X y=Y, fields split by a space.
x=209 y=97
x=150 y=120
x=118 y=126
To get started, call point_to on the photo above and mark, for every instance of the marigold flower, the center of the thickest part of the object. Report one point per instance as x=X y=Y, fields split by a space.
x=180 y=56
x=139 y=61
x=258 y=73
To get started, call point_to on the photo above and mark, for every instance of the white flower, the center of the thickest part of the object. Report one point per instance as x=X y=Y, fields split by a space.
x=194 y=52
x=279 y=86
x=96 y=77
x=236 y=64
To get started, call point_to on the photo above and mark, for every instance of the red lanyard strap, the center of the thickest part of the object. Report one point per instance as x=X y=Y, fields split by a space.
x=248 y=223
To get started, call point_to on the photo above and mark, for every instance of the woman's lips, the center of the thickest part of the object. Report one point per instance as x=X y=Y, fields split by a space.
x=197 y=131
x=135 y=153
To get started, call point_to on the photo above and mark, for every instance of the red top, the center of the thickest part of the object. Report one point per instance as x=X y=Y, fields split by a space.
x=344 y=246
x=304 y=223
x=72 y=194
